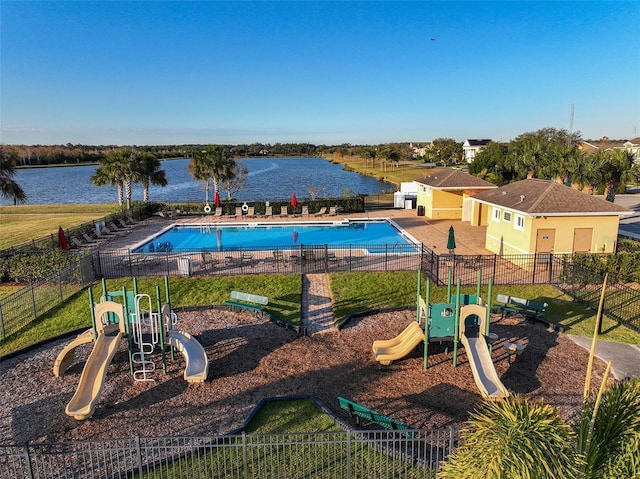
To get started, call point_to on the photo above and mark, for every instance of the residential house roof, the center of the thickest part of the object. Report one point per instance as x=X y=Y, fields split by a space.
x=548 y=198
x=476 y=142
x=449 y=179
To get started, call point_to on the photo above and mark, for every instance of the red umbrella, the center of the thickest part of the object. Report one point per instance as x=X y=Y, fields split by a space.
x=294 y=200
x=216 y=200
x=62 y=239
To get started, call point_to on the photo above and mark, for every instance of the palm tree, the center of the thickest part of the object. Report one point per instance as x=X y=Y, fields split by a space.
x=514 y=438
x=613 y=443
x=150 y=172
x=211 y=165
x=8 y=186
x=616 y=167
x=118 y=168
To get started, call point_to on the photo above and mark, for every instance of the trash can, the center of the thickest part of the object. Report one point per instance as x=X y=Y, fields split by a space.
x=184 y=266
x=420 y=210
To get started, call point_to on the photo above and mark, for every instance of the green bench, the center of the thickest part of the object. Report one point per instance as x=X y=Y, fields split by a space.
x=511 y=305
x=371 y=417
x=248 y=301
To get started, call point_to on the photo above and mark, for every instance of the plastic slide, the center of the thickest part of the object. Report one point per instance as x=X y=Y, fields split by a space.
x=83 y=402
x=67 y=356
x=484 y=373
x=389 y=350
x=197 y=363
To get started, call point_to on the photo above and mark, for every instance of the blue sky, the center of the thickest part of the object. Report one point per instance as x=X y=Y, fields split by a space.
x=318 y=72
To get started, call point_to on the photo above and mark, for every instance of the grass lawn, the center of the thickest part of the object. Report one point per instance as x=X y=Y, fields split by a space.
x=352 y=293
x=22 y=223
x=393 y=174
x=283 y=291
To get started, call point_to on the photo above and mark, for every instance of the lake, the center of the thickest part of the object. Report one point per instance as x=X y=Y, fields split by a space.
x=268 y=179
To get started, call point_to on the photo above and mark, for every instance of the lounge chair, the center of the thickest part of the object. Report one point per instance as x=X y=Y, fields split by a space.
x=79 y=244
x=251 y=213
x=89 y=239
x=322 y=211
x=305 y=211
x=208 y=259
x=268 y=211
x=130 y=221
x=333 y=211
x=278 y=258
x=246 y=259
x=115 y=228
x=114 y=232
x=218 y=211
x=238 y=211
x=123 y=225
x=283 y=211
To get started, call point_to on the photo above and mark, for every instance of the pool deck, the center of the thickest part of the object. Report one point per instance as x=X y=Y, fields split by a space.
x=432 y=233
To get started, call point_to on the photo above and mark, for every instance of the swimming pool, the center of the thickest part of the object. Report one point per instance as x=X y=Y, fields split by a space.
x=367 y=234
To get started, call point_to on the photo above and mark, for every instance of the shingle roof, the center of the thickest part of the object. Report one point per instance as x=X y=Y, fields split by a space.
x=543 y=197
x=453 y=179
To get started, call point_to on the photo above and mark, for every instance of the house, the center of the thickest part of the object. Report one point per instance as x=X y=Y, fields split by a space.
x=541 y=216
x=444 y=193
x=605 y=144
x=472 y=147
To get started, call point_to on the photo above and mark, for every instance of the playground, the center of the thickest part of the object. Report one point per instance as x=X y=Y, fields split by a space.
x=250 y=359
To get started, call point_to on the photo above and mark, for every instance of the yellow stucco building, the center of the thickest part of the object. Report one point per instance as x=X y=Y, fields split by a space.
x=541 y=216
x=445 y=193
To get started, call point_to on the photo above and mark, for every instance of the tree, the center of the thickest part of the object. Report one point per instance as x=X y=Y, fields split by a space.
x=8 y=186
x=489 y=164
x=530 y=153
x=615 y=168
x=444 y=150
x=237 y=181
x=211 y=166
x=150 y=172
x=108 y=173
x=514 y=438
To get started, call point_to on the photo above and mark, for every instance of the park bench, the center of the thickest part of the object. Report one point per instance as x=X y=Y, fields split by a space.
x=371 y=417
x=511 y=305
x=248 y=301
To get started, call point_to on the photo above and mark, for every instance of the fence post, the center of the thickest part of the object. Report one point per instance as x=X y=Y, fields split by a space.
x=27 y=459
x=139 y=456
x=550 y=268
x=244 y=455
x=452 y=439
x=348 y=454
x=4 y=334
x=60 y=285
x=33 y=302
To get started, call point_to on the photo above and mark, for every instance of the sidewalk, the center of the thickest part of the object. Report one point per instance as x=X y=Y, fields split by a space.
x=625 y=358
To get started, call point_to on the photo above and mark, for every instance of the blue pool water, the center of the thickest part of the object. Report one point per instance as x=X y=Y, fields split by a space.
x=283 y=236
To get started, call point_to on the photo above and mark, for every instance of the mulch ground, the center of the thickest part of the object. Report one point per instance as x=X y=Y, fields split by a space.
x=252 y=359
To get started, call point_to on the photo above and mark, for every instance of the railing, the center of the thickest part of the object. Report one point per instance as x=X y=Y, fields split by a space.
x=344 y=455
x=301 y=259
x=26 y=305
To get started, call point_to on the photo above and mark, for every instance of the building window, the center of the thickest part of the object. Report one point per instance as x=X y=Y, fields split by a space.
x=519 y=222
x=496 y=214
x=507 y=216
x=428 y=191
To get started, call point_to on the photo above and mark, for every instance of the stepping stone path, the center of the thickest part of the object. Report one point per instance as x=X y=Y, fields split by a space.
x=317 y=313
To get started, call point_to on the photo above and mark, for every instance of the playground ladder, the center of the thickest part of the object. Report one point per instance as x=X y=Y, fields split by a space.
x=144 y=321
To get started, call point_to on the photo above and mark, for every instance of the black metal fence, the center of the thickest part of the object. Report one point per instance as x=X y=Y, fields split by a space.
x=26 y=305
x=344 y=455
x=258 y=260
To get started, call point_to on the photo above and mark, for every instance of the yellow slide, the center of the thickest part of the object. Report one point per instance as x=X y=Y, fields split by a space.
x=484 y=373
x=66 y=357
x=386 y=351
x=195 y=357
x=83 y=402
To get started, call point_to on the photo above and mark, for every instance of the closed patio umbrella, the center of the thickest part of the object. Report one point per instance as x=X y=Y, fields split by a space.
x=216 y=199
x=62 y=239
x=451 y=240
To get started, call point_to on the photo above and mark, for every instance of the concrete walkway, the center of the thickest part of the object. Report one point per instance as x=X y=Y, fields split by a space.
x=317 y=313
x=625 y=358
